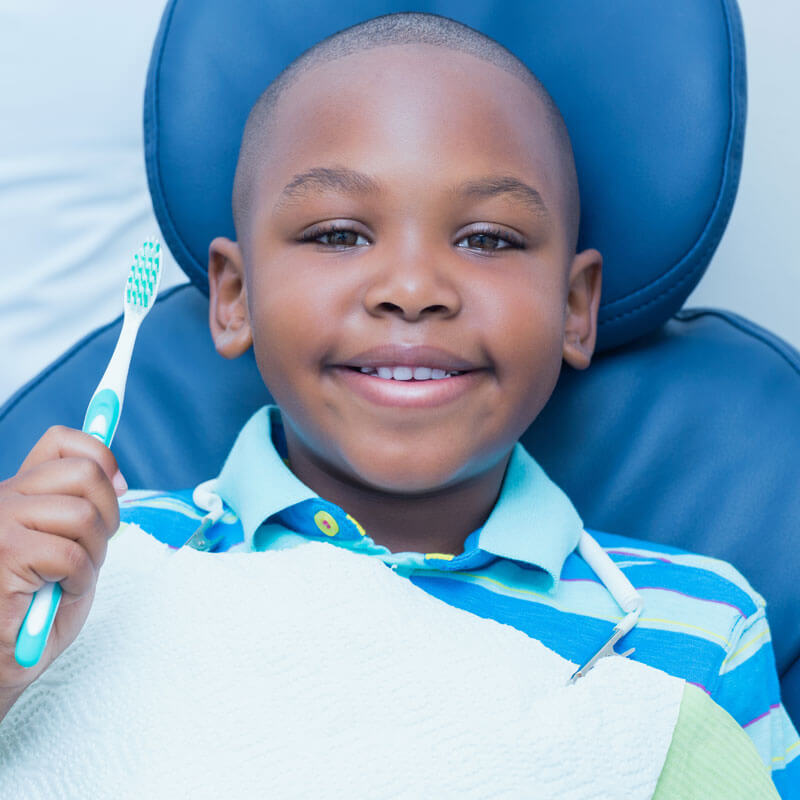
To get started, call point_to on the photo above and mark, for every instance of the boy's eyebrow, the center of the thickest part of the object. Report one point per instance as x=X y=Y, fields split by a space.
x=341 y=179
x=350 y=181
x=491 y=186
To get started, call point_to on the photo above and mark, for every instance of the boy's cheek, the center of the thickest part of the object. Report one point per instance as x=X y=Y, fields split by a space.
x=289 y=349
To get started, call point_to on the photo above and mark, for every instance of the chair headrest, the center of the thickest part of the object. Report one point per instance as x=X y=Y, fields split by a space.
x=653 y=94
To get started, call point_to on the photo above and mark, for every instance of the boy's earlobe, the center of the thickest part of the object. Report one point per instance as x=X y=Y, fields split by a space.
x=583 y=302
x=228 y=316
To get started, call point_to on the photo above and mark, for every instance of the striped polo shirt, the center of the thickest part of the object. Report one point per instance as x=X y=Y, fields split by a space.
x=701 y=619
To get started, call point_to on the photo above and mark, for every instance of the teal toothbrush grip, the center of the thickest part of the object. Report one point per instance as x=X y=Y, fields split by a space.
x=101 y=422
x=102 y=416
x=36 y=626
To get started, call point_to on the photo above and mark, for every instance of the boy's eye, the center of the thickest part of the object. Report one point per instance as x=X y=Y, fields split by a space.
x=490 y=240
x=487 y=240
x=336 y=237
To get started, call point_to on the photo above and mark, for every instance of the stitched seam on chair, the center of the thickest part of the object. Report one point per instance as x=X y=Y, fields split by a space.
x=794 y=663
x=779 y=347
x=175 y=240
x=25 y=390
x=722 y=206
x=668 y=290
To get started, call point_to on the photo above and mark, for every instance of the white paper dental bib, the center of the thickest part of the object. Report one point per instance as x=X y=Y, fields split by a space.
x=316 y=672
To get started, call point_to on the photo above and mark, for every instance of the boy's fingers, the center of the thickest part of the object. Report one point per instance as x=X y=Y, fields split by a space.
x=78 y=477
x=44 y=557
x=75 y=518
x=61 y=442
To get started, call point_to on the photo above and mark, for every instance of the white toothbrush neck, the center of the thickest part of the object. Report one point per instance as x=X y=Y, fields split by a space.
x=116 y=374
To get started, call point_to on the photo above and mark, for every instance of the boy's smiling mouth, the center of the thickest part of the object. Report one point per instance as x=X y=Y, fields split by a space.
x=407 y=376
x=402 y=373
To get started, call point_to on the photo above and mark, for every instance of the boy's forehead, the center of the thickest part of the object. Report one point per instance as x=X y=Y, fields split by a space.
x=417 y=92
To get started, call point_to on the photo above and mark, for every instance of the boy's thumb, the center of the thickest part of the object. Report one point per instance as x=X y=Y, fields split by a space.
x=119 y=483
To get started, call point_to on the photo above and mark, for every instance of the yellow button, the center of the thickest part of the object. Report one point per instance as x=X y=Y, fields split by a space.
x=326 y=523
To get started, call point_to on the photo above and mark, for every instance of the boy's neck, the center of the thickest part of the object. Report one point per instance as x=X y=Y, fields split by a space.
x=438 y=522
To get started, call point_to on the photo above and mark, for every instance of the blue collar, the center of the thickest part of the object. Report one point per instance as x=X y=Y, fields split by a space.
x=533 y=521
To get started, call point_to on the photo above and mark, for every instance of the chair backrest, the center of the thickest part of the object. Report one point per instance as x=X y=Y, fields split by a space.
x=653 y=95
x=682 y=431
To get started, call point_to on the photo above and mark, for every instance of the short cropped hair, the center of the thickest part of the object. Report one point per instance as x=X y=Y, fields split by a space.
x=395 y=29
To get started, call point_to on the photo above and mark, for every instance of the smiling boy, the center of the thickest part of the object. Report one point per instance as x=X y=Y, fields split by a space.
x=374 y=238
x=405 y=270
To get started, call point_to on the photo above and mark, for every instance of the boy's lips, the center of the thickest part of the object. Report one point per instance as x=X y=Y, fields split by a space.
x=408 y=393
x=359 y=374
x=399 y=355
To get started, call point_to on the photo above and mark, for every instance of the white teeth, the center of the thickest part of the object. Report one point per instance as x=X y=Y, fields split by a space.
x=407 y=373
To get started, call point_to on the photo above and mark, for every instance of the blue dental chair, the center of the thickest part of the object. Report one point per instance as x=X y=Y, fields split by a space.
x=685 y=430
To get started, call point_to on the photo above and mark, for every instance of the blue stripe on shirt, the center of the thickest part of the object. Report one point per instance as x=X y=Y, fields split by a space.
x=752 y=688
x=576 y=636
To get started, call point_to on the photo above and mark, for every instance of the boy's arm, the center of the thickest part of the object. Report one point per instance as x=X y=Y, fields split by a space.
x=749 y=690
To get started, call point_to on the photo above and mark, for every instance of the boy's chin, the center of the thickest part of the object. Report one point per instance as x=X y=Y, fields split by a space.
x=407 y=475
x=401 y=485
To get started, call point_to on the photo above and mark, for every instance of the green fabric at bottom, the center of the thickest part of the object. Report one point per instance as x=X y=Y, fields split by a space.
x=711 y=757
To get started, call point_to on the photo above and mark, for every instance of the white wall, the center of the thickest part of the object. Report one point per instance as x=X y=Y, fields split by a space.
x=756 y=270
x=74 y=203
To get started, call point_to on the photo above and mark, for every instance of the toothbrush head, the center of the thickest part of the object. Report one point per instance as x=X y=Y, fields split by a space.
x=144 y=278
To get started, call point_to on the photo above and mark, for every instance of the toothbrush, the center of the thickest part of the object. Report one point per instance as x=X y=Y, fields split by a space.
x=101 y=421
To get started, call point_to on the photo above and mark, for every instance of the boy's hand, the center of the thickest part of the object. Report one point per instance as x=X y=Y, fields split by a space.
x=56 y=517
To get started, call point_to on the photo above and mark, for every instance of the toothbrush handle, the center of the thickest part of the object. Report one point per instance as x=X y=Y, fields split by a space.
x=36 y=626
x=102 y=415
x=101 y=420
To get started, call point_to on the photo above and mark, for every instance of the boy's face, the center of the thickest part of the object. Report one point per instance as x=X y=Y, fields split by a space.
x=440 y=259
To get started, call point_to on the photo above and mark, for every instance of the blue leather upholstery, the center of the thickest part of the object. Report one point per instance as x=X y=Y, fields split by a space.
x=684 y=433
x=653 y=94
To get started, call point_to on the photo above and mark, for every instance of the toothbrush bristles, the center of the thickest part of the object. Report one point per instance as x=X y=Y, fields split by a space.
x=144 y=277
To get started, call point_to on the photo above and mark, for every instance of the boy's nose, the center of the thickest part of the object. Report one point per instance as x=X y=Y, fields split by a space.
x=411 y=291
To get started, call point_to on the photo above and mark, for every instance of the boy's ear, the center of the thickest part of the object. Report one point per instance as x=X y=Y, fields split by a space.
x=227 y=299
x=583 y=301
